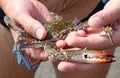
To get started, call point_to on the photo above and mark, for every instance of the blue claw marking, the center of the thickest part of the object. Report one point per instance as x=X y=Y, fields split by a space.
x=77 y=21
x=27 y=63
x=18 y=54
x=22 y=57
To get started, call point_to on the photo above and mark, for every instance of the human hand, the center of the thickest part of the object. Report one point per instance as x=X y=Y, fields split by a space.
x=110 y=15
x=95 y=37
x=73 y=66
x=28 y=15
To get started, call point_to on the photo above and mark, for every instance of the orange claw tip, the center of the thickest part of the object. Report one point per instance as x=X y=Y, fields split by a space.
x=108 y=55
x=99 y=57
x=95 y=61
x=105 y=61
x=104 y=55
x=95 y=53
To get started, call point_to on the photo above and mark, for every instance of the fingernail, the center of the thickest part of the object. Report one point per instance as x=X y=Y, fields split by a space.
x=96 y=21
x=40 y=34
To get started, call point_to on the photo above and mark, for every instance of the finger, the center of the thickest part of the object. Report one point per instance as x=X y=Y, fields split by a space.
x=116 y=33
x=52 y=59
x=31 y=25
x=108 y=15
x=43 y=14
x=91 y=41
x=61 y=43
x=37 y=54
x=73 y=66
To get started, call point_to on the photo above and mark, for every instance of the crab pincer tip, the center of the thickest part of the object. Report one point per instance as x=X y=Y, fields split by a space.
x=110 y=56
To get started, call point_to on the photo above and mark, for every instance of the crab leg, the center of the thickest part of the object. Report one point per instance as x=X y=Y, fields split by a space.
x=22 y=39
x=25 y=40
x=23 y=58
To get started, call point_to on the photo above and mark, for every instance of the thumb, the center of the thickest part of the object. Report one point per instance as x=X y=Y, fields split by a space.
x=32 y=26
x=108 y=15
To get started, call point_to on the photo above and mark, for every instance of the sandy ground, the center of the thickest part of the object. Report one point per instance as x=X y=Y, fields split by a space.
x=46 y=69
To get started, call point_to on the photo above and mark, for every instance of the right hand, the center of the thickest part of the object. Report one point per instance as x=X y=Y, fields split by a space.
x=29 y=15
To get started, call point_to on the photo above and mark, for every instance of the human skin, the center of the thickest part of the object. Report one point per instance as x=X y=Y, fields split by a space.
x=68 y=66
x=33 y=10
x=20 y=11
x=62 y=66
x=77 y=70
x=9 y=67
x=109 y=15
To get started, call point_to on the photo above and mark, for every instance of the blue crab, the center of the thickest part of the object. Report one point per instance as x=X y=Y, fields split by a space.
x=56 y=29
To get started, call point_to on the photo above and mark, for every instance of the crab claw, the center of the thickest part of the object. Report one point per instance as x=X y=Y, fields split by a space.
x=97 y=57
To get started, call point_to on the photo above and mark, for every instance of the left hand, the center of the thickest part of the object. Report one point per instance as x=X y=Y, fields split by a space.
x=95 y=37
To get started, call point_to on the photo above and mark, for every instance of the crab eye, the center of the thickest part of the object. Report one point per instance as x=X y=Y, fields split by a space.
x=86 y=55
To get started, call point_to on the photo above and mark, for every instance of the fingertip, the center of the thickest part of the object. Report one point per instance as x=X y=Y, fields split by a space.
x=36 y=29
x=32 y=26
x=82 y=33
x=38 y=54
x=96 y=21
x=61 y=43
x=43 y=55
x=62 y=66
x=75 y=66
x=41 y=33
x=72 y=38
x=52 y=59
